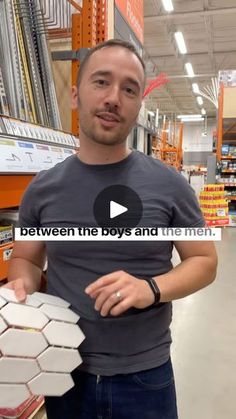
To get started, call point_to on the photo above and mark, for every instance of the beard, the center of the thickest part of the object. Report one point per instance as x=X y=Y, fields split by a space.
x=102 y=136
x=104 y=139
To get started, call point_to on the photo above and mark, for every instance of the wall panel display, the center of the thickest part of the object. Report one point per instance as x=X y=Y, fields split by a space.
x=124 y=31
x=132 y=12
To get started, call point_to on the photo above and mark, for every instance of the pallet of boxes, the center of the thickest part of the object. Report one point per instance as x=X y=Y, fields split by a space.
x=214 y=205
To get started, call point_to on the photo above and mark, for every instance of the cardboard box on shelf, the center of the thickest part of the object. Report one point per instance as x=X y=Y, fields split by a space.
x=6 y=234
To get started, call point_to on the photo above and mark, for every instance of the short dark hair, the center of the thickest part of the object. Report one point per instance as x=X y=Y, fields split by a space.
x=110 y=43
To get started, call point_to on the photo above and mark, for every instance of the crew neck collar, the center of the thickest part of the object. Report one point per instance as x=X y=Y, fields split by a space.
x=120 y=163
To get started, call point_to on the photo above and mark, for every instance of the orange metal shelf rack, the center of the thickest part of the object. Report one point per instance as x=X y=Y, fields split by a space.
x=12 y=188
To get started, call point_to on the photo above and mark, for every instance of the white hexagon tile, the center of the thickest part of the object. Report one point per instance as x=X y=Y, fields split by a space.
x=3 y=325
x=50 y=360
x=18 y=370
x=51 y=299
x=12 y=395
x=9 y=296
x=2 y=302
x=18 y=342
x=51 y=384
x=63 y=334
x=59 y=313
x=38 y=341
x=16 y=314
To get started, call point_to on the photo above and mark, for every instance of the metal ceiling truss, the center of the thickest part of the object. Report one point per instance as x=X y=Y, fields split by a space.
x=189 y=15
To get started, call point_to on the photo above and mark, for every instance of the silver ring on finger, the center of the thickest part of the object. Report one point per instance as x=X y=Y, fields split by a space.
x=118 y=295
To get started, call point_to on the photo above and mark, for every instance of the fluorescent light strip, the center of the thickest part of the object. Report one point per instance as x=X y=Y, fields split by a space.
x=199 y=100
x=168 y=6
x=192 y=120
x=195 y=88
x=189 y=69
x=189 y=116
x=180 y=42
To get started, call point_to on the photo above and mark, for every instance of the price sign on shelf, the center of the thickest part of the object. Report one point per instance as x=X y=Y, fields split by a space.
x=221 y=213
x=28 y=157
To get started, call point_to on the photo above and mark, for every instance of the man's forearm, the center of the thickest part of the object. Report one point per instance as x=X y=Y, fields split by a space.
x=188 y=277
x=27 y=271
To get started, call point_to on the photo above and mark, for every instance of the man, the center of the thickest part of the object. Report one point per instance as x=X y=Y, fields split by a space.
x=126 y=370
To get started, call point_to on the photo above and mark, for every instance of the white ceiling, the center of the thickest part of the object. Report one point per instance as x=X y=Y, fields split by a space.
x=209 y=29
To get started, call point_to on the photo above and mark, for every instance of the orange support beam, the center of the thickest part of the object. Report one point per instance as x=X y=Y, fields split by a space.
x=101 y=21
x=180 y=144
x=163 y=140
x=89 y=18
x=220 y=122
x=84 y=35
x=76 y=44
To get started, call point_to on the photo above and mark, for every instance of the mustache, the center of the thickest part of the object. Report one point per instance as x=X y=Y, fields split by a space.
x=110 y=110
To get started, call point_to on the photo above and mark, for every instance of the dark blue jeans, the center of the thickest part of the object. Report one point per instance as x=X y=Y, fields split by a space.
x=146 y=395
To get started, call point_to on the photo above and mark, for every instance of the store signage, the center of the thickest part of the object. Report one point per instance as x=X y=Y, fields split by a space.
x=132 y=11
x=37 y=132
x=123 y=31
x=28 y=157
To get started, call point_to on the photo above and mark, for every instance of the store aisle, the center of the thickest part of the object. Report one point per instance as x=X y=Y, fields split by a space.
x=204 y=343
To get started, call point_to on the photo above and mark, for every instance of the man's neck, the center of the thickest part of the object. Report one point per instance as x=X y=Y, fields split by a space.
x=101 y=154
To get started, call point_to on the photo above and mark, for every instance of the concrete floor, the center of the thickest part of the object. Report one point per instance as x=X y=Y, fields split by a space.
x=204 y=342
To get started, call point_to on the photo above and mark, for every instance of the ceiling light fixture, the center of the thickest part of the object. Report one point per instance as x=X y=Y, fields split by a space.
x=195 y=88
x=203 y=111
x=189 y=116
x=180 y=42
x=199 y=100
x=192 y=120
x=189 y=69
x=168 y=6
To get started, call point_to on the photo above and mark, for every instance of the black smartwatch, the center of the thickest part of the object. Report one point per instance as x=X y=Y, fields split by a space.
x=153 y=285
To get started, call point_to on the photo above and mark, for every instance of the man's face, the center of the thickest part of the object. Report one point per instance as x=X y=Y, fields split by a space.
x=110 y=95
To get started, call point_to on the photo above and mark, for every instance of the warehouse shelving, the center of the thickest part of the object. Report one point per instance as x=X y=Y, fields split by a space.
x=226 y=145
x=21 y=157
x=167 y=144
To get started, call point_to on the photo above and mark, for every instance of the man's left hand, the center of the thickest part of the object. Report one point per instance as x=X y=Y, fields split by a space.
x=117 y=292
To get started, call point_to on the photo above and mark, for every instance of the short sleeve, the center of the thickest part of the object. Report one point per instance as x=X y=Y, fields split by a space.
x=186 y=211
x=28 y=214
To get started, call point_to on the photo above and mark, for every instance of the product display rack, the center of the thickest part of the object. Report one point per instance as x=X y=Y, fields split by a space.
x=25 y=150
x=214 y=205
x=167 y=144
x=157 y=144
x=226 y=146
x=26 y=67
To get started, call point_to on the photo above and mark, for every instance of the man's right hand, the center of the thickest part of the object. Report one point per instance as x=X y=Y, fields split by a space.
x=18 y=286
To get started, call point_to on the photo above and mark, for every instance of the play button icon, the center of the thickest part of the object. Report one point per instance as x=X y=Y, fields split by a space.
x=116 y=209
x=118 y=206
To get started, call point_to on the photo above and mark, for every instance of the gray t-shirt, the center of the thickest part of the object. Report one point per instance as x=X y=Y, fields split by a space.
x=64 y=196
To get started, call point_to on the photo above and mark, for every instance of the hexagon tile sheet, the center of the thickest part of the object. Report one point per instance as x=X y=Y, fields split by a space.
x=38 y=347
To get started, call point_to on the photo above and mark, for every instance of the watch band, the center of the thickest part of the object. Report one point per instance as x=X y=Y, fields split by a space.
x=154 y=287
